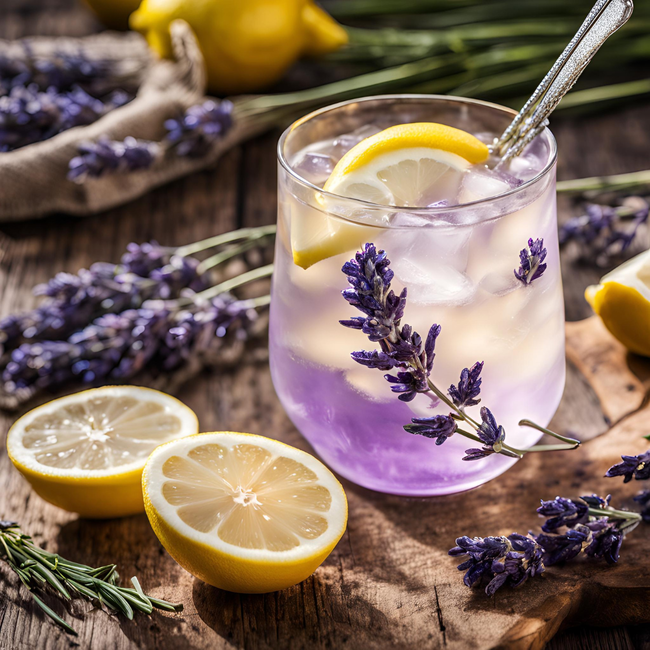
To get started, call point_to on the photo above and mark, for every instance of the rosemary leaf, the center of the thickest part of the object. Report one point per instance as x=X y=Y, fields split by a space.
x=36 y=568
x=53 y=615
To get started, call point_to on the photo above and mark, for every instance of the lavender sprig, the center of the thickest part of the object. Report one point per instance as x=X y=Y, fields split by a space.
x=637 y=467
x=605 y=231
x=147 y=271
x=108 y=156
x=531 y=262
x=402 y=350
x=192 y=135
x=199 y=128
x=504 y=560
x=28 y=114
x=156 y=310
x=587 y=525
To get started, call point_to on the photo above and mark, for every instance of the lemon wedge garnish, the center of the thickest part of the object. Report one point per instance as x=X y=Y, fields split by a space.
x=242 y=512
x=622 y=300
x=85 y=452
x=409 y=165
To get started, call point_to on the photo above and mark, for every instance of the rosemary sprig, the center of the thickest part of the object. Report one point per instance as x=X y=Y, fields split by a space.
x=37 y=568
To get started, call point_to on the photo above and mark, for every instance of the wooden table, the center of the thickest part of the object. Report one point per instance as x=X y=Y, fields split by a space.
x=324 y=612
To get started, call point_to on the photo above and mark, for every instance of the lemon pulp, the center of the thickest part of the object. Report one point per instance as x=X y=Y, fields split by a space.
x=408 y=165
x=85 y=452
x=243 y=512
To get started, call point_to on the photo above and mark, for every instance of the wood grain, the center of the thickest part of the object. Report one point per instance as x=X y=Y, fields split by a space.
x=389 y=582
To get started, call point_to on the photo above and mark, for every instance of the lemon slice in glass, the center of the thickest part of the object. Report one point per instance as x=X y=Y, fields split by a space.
x=622 y=300
x=85 y=452
x=407 y=165
x=242 y=512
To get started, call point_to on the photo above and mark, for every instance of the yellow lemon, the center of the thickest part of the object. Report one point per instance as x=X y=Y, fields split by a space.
x=622 y=300
x=405 y=165
x=85 y=452
x=242 y=512
x=246 y=44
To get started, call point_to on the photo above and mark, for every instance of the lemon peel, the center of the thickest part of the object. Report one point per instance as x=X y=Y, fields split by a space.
x=622 y=300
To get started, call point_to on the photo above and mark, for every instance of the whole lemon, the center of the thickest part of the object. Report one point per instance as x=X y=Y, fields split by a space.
x=246 y=44
x=113 y=13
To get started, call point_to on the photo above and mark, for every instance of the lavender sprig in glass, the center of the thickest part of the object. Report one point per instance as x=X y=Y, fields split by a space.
x=410 y=357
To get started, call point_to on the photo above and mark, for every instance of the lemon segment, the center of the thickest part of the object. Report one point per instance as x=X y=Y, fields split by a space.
x=622 y=300
x=316 y=236
x=85 y=452
x=405 y=165
x=242 y=512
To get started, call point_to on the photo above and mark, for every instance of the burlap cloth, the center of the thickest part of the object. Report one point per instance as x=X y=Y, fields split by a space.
x=33 y=179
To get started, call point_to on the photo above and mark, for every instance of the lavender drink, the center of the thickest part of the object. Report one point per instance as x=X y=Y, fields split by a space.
x=457 y=258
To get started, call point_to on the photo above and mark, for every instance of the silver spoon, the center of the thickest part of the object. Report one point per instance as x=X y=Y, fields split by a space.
x=603 y=20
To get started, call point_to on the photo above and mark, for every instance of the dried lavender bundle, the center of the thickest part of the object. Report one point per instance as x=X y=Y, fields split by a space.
x=156 y=313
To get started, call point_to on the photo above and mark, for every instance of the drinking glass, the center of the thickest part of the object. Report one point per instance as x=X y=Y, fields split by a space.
x=457 y=263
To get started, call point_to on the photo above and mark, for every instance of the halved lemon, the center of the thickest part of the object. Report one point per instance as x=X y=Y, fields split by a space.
x=243 y=512
x=85 y=452
x=622 y=300
x=407 y=165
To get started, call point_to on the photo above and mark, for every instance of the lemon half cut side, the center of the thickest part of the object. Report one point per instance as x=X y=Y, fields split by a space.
x=407 y=165
x=622 y=300
x=242 y=512
x=85 y=452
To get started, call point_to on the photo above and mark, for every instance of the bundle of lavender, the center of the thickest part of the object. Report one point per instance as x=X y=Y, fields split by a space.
x=160 y=313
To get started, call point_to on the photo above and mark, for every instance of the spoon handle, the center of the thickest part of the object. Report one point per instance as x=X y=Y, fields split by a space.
x=603 y=20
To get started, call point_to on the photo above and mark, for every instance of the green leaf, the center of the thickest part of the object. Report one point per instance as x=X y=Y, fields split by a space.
x=54 y=616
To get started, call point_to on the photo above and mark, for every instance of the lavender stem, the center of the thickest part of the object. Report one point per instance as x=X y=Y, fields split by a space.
x=552 y=447
x=233 y=283
x=539 y=427
x=229 y=253
x=225 y=238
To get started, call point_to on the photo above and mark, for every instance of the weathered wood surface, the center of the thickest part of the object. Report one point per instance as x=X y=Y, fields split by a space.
x=389 y=582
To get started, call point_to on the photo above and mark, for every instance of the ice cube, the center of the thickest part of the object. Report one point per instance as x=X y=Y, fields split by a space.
x=499 y=283
x=481 y=183
x=431 y=282
x=315 y=167
x=345 y=142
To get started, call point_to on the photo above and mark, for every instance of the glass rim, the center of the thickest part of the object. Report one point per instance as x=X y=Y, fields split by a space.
x=552 y=158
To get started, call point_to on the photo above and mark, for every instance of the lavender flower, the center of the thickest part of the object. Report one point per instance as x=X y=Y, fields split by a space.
x=108 y=156
x=562 y=548
x=531 y=260
x=563 y=512
x=148 y=271
x=505 y=560
x=605 y=540
x=29 y=115
x=439 y=427
x=637 y=467
x=370 y=276
x=200 y=127
x=116 y=347
x=492 y=436
x=605 y=231
x=468 y=388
